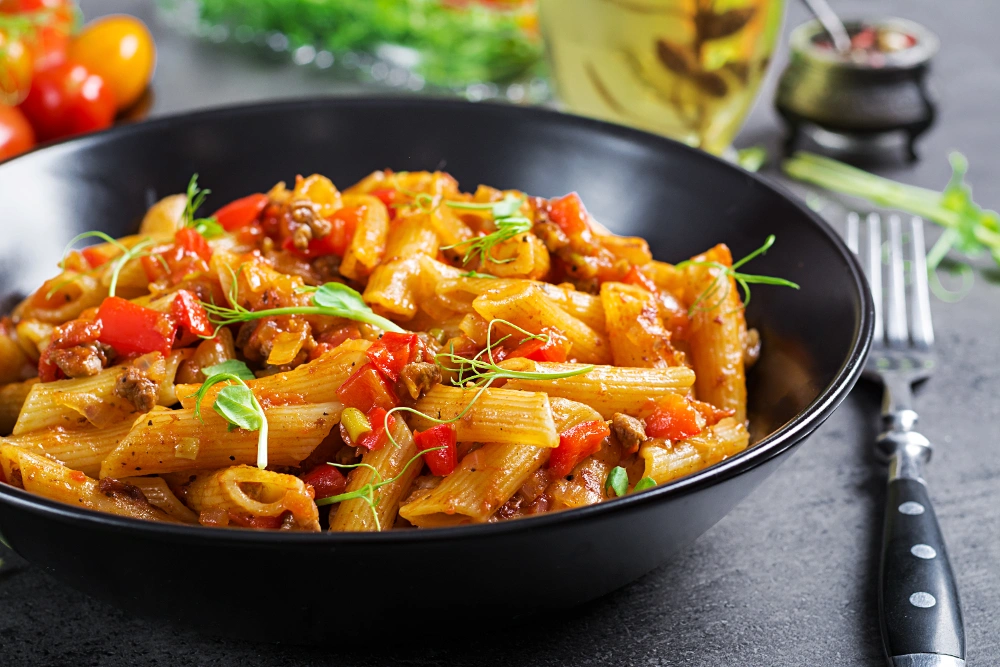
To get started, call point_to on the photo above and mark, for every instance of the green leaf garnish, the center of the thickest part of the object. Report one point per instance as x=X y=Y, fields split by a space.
x=331 y=300
x=367 y=492
x=970 y=229
x=643 y=484
x=752 y=158
x=744 y=280
x=207 y=227
x=231 y=366
x=476 y=274
x=238 y=406
x=508 y=225
x=617 y=481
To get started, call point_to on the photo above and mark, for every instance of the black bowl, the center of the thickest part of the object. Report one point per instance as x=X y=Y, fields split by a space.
x=276 y=586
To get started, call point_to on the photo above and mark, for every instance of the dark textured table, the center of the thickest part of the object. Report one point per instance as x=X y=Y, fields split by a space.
x=788 y=578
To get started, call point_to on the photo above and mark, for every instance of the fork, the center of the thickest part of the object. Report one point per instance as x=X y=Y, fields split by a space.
x=919 y=610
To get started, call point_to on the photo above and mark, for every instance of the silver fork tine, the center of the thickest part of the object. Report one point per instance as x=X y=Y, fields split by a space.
x=853 y=225
x=873 y=267
x=895 y=325
x=921 y=327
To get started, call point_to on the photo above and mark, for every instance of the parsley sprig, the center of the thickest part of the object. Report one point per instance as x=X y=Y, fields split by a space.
x=235 y=403
x=508 y=225
x=720 y=286
x=330 y=299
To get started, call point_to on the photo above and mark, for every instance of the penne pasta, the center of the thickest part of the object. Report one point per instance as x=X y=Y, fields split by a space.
x=255 y=493
x=607 y=389
x=528 y=307
x=388 y=463
x=12 y=397
x=158 y=493
x=80 y=448
x=717 y=331
x=367 y=247
x=48 y=479
x=173 y=440
x=497 y=415
x=666 y=461
x=636 y=331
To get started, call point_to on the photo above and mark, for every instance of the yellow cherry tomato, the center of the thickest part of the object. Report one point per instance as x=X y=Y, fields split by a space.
x=120 y=50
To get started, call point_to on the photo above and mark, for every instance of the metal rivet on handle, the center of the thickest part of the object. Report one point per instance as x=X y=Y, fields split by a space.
x=922 y=600
x=924 y=551
x=911 y=508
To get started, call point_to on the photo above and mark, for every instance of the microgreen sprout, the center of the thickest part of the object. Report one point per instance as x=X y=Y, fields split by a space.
x=236 y=403
x=720 y=285
x=508 y=225
x=207 y=227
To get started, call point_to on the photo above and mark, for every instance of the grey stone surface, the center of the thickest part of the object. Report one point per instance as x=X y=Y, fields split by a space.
x=788 y=578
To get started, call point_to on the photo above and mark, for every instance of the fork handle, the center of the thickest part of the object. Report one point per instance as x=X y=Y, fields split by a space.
x=919 y=609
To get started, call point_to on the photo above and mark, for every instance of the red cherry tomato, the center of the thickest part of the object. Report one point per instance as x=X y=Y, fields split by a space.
x=68 y=99
x=16 y=135
x=15 y=69
x=49 y=42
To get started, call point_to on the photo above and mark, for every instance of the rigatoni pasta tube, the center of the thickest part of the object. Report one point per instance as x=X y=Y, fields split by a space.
x=638 y=337
x=607 y=389
x=172 y=440
x=12 y=397
x=498 y=415
x=367 y=247
x=356 y=515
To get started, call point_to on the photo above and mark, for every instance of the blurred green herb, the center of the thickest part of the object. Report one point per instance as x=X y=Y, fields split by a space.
x=752 y=158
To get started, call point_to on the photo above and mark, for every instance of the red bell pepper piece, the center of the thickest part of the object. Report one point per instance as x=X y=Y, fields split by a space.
x=188 y=312
x=440 y=461
x=576 y=444
x=75 y=332
x=568 y=212
x=388 y=197
x=636 y=277
x=193 y=242
x=344 y=222
x=241 y=212
x=94 y=256
x=674 y=418
x=376 y=438
x=326 y=480
x=332 y=339
x=247 y=520
x=132 y=329
x=554 y=348
x=392 y=352
x=47 y=369
x=365 y=389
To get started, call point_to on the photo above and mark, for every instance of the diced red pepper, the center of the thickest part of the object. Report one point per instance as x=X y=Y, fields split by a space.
x=568 y=212
x=388 y=197
x=344 y=222
x=554 y=348
x=326 y=480
x=180 y=263
x=187 y=311
x=439 y=461
x=247 y=520
x=132 y=329
x=636 y=277
x=94 y=256
x=241 y=212
x=674 y=418
x=75 y=332
x=392 y=352
x=332 y=339
x=365 y=389
x=193 y=242
x=576 y=444
x=376 y=438
x=78 y=476
x=47 y=369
